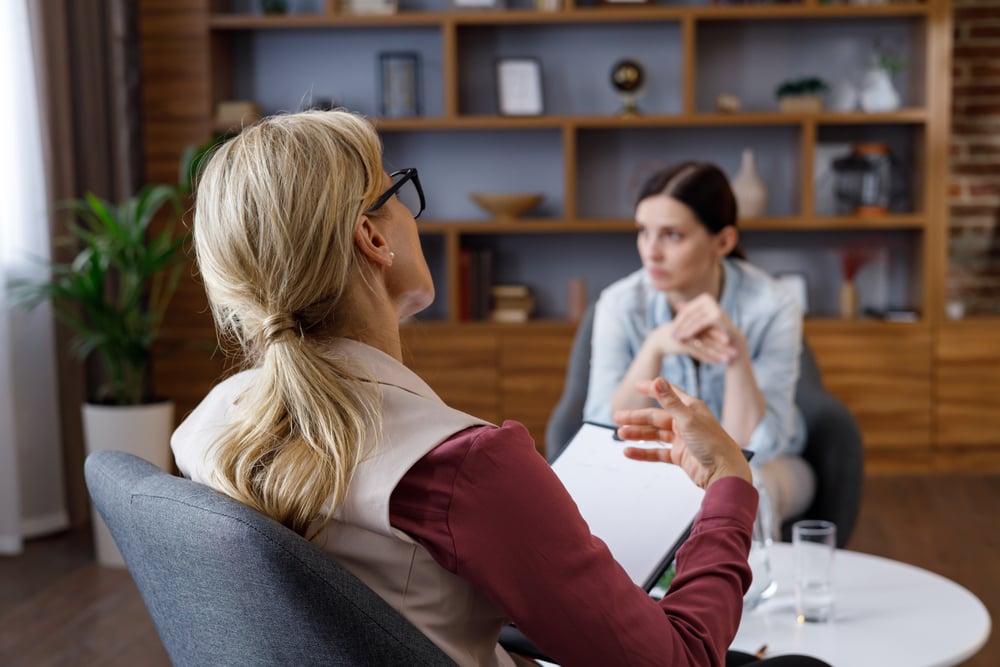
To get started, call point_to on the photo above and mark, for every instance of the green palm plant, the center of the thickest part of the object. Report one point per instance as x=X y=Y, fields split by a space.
x=114 y=293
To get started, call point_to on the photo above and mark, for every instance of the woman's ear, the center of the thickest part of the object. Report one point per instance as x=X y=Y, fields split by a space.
x=370 y=242
x=725 y=240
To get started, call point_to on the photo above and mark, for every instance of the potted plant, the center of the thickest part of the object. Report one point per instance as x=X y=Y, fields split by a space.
x=801 y=95
x=274 y=7
x=113 y=296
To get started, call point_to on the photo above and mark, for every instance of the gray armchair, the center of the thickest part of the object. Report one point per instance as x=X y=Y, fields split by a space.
x=226 y=585
x=834 y=447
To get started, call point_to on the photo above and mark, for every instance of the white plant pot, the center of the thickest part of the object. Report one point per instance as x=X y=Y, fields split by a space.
x=143 y=430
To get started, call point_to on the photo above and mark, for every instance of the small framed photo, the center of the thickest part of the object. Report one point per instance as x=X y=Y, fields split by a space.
x=399 y=84
x=519 y=87
x=478 y=4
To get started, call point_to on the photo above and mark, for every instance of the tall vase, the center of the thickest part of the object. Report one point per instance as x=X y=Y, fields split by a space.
x=749 y=188
x=848 y=300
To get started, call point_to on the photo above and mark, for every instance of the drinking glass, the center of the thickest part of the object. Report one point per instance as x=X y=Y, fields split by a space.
x=763 y=584
x=814 y=544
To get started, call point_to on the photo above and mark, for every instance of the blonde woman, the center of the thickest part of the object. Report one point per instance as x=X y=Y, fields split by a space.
x=310 y=258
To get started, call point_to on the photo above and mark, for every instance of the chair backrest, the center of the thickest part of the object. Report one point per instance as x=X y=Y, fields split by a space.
x=226 y=585
x=834 y=447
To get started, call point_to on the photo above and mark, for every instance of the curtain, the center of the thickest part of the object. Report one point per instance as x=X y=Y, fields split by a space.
x=32 y=491
x=86 y=65
x=69 y=99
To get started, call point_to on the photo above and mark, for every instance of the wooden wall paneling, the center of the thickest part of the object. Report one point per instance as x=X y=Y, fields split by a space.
x=463 y=369
x=533 y=368
x=176 y=111
x=967 y=386
x=883 y=374
x=938 y=63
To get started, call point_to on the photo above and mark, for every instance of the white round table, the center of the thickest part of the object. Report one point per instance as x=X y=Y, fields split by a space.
x=885 y=613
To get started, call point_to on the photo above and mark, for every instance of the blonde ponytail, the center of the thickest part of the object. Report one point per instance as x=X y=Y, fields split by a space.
x=275 y=214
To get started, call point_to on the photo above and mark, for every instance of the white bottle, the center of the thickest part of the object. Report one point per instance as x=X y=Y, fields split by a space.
x=749 y=189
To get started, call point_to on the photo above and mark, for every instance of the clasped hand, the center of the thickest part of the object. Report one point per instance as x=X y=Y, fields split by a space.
x=699 y=444
x=703 y=331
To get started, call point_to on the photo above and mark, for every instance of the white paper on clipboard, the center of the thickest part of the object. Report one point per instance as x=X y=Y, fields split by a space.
x=641 y=510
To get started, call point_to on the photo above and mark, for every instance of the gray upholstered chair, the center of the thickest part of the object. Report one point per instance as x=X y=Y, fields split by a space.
x=834 y=447
x=226 y=585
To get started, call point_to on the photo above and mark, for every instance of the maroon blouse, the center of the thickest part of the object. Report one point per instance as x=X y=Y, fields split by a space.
x=489 y=509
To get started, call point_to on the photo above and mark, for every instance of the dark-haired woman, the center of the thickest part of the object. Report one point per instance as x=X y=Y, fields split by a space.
x=708 y=321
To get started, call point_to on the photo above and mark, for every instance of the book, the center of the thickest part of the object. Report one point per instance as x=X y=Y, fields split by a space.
x=500 y=291
x=514 y=303
x=510 y=315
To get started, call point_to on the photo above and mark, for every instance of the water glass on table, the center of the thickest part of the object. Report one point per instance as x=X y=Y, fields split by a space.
x=763 y=584
x=814 y=544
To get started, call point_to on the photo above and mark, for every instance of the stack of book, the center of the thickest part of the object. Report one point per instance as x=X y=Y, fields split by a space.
x=512 y=303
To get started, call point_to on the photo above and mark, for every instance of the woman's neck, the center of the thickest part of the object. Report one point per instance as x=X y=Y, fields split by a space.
x=712 y=285
x=371 y=319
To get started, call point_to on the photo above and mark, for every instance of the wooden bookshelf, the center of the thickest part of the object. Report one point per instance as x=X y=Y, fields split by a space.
x=199 y=52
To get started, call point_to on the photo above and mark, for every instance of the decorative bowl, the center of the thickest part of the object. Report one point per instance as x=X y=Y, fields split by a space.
x=506 y=206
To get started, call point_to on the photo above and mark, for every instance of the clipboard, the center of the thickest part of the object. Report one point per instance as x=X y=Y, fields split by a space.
x=643 y=511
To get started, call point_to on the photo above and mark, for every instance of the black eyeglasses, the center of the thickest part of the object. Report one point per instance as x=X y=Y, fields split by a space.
x=411 y=197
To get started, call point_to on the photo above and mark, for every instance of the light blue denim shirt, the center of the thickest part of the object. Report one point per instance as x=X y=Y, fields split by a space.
x=629 y=309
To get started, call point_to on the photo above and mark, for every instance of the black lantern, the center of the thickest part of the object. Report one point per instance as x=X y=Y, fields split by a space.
x=868 y=181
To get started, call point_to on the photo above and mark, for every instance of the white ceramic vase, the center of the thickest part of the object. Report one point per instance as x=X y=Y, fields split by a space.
x=143 y=430
x=877 y=91
x=749 y=189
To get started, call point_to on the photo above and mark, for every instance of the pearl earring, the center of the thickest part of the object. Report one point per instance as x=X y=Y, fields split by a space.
x=392 y=255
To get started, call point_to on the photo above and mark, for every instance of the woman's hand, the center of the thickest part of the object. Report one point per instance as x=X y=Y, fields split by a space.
x=706 y=333
x=699 y=443
x=711 y=346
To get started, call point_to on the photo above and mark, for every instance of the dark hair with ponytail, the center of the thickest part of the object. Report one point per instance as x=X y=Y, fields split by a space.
x=703 y=188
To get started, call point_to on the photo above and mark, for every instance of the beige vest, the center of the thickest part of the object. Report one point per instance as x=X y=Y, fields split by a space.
x=460 y=620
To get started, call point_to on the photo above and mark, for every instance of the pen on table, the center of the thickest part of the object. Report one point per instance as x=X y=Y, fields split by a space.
x=761 y=651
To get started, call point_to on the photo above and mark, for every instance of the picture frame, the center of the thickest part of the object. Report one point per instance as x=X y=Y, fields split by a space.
x=519 y=86
x=399 y=85
x=364 y=7
x=478 y=4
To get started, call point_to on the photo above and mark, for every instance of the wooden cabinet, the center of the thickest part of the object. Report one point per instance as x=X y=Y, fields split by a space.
x=967 y=395
x=495 y=372
x=883 y=375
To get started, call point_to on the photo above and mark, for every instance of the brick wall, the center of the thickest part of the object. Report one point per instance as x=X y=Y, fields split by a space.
x=974 y=230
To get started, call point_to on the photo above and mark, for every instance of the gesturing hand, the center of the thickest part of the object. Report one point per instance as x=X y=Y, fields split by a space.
x=699 y=444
